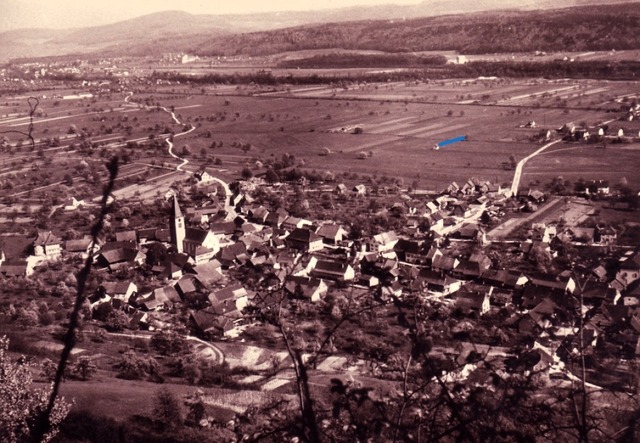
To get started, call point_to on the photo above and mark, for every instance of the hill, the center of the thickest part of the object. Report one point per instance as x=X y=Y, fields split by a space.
x=384 y=28
x=584 y=28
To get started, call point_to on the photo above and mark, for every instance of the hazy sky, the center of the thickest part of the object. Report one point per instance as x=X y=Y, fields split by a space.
x=80 y=13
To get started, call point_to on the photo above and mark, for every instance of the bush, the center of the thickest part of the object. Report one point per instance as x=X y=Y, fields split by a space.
x=134 y=367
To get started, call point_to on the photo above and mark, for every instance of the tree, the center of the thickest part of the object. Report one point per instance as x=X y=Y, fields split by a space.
x=166 y=410
x=134 y=367
x=168 y=343
x=84 y=368
x=21 y=404
x=246 y=173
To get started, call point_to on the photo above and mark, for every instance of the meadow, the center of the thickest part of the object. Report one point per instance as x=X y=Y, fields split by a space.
x=379 y=130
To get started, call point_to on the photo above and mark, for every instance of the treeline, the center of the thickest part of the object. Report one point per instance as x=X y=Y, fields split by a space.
x=626 y=70
x=584 y=28
x=344 y=61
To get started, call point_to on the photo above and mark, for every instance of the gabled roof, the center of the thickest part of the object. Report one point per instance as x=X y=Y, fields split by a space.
x=385 y=237
x=186 y=284
x=308 y=285
x=116 y=288
x=329 y=230
x=232 y=292
x=444 y=262
x=410 y=246
x=126 y=236
x=502 y=277
x=331 y=267
x=77 y=245
x=119 y=255
x=303 y=235
x=14 y=269
x=227 y=228
x=46 y=238
x=208 y=272
x=195 y=235
x=231 y=252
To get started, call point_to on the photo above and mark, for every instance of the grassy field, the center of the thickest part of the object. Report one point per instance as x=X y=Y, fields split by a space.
x=400 y=122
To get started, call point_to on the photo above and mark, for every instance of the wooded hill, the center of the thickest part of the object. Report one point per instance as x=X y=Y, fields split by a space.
x=585 y=28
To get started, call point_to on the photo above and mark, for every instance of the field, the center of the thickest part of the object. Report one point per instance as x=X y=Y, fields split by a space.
x=383 y=129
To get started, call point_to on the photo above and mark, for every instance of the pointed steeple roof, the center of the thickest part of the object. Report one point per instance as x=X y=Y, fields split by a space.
x=175 y=210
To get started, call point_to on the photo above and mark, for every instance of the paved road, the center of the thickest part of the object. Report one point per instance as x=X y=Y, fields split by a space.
x=518 y=173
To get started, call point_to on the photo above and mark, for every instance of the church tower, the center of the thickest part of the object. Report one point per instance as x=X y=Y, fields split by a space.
x=176 y=226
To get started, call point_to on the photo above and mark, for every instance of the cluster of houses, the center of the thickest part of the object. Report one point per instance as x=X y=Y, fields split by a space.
x=194 y=264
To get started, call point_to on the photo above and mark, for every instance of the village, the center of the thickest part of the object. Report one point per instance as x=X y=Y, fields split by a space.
x=246 y=273
x=208 y=269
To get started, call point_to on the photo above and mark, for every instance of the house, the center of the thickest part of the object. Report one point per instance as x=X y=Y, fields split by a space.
x=202 y=176
x=232 y=298
x=208 y=273
x=437 y=284
x=71 y=204
x=579 y=235
x=597 y=187
x=444 y=264
x=118 y=258
x=629 y=269
x=333 y=270
x=504 y=278
x=470 y=231
x=341 y=189
x=153 y=235
x=47 y=244
x=461 y=209
x=258 y=215
x=313 y=289
x=390 y=290
x=119 y=290
x=536 y=196
x=565 y=284
x=202 y=215
x=331 y=234
x=383 y=242
x=542 y=233
x=473 y=267
x=130 y=236
x=160 y=298
x=195 y=239
x=433 y=253
x=453 y=188
x=80 y=247
x=290 y=223
x=360 y=190
x=473 y=301
x=605 y=235
x=411 y=251
x=436 y=221
x=368 y=281
x=17 y=268
x=233 y=254
x=303 y=239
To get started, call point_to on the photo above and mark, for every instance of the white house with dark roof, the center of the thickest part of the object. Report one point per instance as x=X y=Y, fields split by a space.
x=383 y=242
x=333 y=270
x=47 y=244
x=304 y=239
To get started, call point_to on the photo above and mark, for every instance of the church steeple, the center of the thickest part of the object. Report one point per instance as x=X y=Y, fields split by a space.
x=176 y=226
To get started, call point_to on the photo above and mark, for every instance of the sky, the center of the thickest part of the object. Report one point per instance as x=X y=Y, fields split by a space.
x=62 y=14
